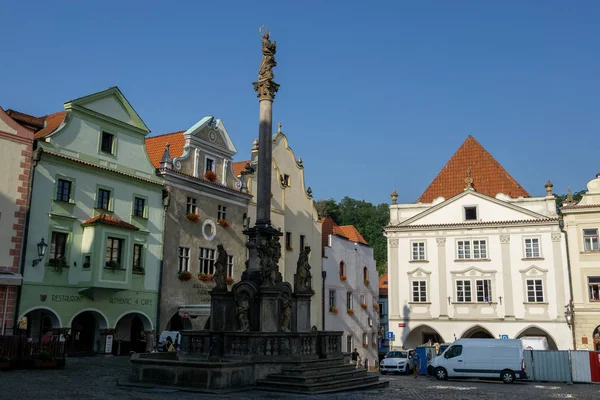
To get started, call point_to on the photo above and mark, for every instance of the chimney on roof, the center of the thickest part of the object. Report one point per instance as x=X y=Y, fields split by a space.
x=165 y=161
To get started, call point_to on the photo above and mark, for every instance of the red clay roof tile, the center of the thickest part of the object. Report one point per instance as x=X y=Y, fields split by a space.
x=52 y=122
x=489 y=177
x=155 y=146
x=109 y=220
x=239 y=166
x=349 y=232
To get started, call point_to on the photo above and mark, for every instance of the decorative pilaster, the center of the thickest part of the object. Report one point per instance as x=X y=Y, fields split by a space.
x=393 y=280
x=559 y=280
x=509 y=312
x=441 y=249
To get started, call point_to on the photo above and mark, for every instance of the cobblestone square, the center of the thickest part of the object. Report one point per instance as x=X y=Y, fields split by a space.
x=96 y=378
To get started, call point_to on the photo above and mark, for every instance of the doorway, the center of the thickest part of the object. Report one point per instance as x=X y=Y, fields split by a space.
x=83 y=333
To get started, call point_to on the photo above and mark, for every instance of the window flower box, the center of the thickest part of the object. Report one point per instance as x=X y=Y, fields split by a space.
x=374 y=345
x=57 y=264
x=230 y=280
x=367 y=282
x=193 y=217
x=206 y=277
x=376 y=307
x=210 y=175
x=363 y=306
x=343 y=278
x=137 y=269
x=333 y=310
x=184 y=276
x=223 y=222
x=350 y=311
x=365 y=345
x=113 y=266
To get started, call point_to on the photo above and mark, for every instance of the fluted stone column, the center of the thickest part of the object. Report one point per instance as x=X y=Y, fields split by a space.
x=443 y=287
x=559 y=283
x=509 y=308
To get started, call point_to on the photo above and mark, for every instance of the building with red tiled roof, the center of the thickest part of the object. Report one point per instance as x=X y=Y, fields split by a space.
x=489 y=177
x=97 y=206
x=205 y=206
x=16 y=142
x=476 y=257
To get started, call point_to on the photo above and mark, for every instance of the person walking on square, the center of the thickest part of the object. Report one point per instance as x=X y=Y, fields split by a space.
x=416 y=363
x=355 y=357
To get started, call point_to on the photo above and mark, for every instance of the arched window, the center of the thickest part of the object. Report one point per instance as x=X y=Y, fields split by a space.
x=342 y=269
x=365 y=274
x=365 y=339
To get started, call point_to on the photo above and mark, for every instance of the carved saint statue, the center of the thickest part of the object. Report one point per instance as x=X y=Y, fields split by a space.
x=243 y=306
x=220 y=275
x=303 y=275
x=286 y=313
x=268 y=61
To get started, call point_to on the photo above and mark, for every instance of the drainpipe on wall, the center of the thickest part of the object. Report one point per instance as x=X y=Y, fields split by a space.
x=323 y=275
x=561 y=224
x=36 y=156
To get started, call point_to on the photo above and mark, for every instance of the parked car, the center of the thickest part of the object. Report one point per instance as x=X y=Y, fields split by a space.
x=396 y=361
x=481 y=358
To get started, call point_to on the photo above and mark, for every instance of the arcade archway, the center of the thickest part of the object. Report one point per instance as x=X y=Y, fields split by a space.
x=422 y=334
x=85 y=337
x=477 y=332
x=534 y=331
x=39 y=322
x=133 y=332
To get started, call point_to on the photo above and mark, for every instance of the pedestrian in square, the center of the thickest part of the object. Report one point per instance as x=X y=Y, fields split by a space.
x=416 y=363
x=355 y=357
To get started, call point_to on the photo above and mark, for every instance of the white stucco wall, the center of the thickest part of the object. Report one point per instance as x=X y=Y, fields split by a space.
x=355 y=258
x=505 y=265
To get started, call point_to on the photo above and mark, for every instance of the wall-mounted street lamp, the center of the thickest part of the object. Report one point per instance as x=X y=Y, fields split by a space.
x=41 y=249
x=569 y=313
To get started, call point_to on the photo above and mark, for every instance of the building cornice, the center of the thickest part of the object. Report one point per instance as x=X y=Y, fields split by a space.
x=463 y=225
x=171 y=176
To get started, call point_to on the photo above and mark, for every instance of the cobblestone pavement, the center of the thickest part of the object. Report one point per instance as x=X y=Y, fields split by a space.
x=96 y=378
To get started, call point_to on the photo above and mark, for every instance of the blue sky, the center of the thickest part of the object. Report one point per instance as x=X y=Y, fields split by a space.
x=374 y=95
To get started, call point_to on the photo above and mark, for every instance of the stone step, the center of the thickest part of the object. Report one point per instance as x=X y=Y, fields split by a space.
x=317 y=378
x=364 y=382
x=318 y=363
x=318 y=370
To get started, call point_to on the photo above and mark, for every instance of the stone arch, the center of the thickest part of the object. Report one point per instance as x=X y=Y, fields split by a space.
x=477 y=332
x=596 y=338
x=536 y=331
x=87 y=332
x=148 y=326
x=52 y=315
x=40 y=320
x=133 y=332
x=420 y=335
x=101 y=317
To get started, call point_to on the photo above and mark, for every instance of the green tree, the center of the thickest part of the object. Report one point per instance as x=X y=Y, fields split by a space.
x=560 y=198
x=367 y=218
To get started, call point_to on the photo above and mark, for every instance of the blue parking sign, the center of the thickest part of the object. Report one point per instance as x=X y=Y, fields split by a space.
x=390 y=335
x=504 y=336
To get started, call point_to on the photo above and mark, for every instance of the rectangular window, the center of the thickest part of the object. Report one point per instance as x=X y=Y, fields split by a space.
x=380 y=310
x=484 y=290
x=418 y=251
x=113 y=252
x=349 y=343
x=191 y=206
x=302 y=242
x=229 y=265
x=288 y=240
x=471 y=249
x=370 y=321
x=58 y=246
x=63 y=190
x=419 y=294
x=210 y=165
x=137 y=256
x=349 y=301
x=463 y=291
x=138 y=207
x=331 y=298
x=184 y=259
x=207 y=261
x=363 y=299
x=535 y=291
x=107 y=142
x=221 y=212
x=103 y=199
x=87 y=261
x=470 y=213
x=532 y=248
x=594 y=288
x=590 y=239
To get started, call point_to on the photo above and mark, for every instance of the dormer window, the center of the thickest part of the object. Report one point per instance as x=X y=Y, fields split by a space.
x=210 y=165
x=107 y=144
x=470 y=213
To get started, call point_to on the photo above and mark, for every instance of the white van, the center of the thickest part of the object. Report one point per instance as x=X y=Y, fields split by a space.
x=481 y=358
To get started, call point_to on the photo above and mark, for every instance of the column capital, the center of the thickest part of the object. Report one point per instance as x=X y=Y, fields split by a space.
x=556 y=236
x=505 y=239
x=266 y=89
x=393 y=243
x=441 y=241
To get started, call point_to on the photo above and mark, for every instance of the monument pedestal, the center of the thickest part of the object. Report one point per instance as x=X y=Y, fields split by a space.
x=222 y=311
x=302 y=308
x=269 y=309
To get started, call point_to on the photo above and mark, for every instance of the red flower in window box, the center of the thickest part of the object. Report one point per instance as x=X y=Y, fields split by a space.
x=223 y=222
x=333 y=310
x=374 y=345
x=206 y=277
x=230 y=280
x=343 y=277
x=210 y=175
x=365 y=345
x=376 y=307
x=184 y=276
x=193 y=217
x=363 y=306
x=350 y=311
x=367 y=282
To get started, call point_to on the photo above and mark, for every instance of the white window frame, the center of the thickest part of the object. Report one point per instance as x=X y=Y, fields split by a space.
x=184 y=259
x=464 y=291
x=467 y=248
x=363 y=299
x=191 y=205
x=593 y=296
x=464 y=215
x=421 y=250
x=531 y=247
x=349 y=343
x=594 y=245
x=421 y=292
x=214 y=164
x=535 y=289
x=230 y=264
x=349 y=301
x=206 y=261
x=480 y=288
x=365 y=338
x=221 y=212
x=332 y=298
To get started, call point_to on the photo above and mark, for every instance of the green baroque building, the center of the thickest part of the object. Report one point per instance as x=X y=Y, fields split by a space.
x=97 y=205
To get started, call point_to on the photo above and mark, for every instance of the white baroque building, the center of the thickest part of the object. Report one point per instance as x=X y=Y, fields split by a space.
x=351 y=289
x=476 y=257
